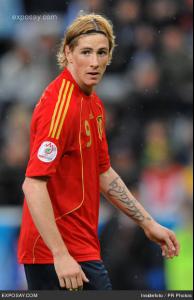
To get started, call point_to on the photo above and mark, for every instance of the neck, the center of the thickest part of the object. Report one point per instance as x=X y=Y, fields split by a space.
x=86 y=89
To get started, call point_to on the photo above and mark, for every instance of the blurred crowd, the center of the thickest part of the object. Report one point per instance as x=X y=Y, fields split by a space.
x=147 y=92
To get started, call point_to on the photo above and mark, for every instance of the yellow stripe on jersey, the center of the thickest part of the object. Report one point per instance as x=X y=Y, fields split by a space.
x=56 y=107
x=61 y=109
x=65 y=111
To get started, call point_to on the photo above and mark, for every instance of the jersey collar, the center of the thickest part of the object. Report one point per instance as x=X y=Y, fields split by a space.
x=67 y=74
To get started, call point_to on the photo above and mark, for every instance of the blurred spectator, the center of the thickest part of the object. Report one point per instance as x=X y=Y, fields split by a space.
x=145 y=37
x=181 y=134
x=37 y=7
x=163 y=190
x=95 y=6
x=176 y=63
x=133 y=256
x=162 y=186
x=126 y=16
x=77 y=7
x=145 y=76
x=186 y=16
x=31 y=64
x=19 y=68
x=124 y=162
x=14 y=154
x=8 y=8
x=13 y=157
x=162 y=12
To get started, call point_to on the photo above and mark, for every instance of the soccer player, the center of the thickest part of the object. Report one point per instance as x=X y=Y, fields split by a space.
x=68 y=168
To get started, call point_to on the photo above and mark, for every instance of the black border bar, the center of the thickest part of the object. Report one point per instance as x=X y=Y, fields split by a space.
x=97 y=295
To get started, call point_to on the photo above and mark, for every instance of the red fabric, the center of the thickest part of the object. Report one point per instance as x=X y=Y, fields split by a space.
x=73 y=185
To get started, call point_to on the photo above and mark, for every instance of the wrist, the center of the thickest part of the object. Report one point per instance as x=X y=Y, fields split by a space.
x=60 y=252
x=147 y=223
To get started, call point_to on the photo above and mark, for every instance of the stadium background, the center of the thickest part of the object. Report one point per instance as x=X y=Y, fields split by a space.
x=147 y=92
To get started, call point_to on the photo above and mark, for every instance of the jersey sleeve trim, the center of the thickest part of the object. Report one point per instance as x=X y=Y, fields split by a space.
x=57 y=106
x=61 y=109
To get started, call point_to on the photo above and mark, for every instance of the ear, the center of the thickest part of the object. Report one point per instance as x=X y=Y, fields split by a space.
x=109 y=61
x=68 y=54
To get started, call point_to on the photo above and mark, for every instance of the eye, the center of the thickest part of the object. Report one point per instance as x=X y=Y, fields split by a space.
x=103 y=53
x=86 y=52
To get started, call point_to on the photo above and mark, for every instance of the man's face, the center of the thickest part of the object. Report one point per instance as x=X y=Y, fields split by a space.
x=89 y=59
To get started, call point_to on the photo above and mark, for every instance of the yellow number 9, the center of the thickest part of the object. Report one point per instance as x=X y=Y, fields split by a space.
x=88 y=133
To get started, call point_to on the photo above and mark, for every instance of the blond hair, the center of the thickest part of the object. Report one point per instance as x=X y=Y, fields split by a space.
x=85 y=24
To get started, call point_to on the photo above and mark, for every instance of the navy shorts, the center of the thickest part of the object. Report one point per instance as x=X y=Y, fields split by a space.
x=44 y=277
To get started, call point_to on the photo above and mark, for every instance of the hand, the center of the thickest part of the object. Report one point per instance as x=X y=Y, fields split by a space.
x=165 y=238
x=69 y=273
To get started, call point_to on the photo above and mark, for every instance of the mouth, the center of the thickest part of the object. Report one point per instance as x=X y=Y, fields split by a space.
x=93 y=73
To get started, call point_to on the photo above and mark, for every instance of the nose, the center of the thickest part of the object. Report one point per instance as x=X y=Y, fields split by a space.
x=94 y=61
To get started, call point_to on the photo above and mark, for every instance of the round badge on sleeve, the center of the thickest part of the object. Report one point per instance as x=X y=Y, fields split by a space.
x=47 y=152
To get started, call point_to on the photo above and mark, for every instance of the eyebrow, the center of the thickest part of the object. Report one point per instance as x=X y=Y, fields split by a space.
x=88 y=48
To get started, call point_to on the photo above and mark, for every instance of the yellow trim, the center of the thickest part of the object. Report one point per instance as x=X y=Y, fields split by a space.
x=100 y=108
x=60 y=110
x=83 y=187
x=56 y=107
x=33 y=251
x=82 y=166
x=65 y=112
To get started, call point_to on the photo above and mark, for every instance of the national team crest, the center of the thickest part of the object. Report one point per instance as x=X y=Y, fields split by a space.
x=100 y=126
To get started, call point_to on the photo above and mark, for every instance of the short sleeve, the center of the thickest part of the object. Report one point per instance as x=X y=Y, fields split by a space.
x=48 y=137
x=104 y=157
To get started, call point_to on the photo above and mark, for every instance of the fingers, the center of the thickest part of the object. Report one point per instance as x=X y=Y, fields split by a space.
x=164 y=250
x=171 y=247
x=71 y=283
x=70 y=273
x=84 y=278
x=68 y=284
x=74 y=283
x=175 y=243
x=80 y=282
x=62 y=283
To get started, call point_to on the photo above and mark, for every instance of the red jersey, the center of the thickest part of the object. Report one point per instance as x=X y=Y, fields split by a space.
x=68 y=145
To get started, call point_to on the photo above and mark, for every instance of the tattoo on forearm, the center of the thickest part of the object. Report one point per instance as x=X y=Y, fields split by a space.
x=119 y=193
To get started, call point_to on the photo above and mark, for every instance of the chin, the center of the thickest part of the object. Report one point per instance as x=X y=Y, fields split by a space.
x=94 y=82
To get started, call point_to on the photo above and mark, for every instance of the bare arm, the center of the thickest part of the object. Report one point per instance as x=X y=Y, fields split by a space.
x=68 y=270
x=115 y=191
